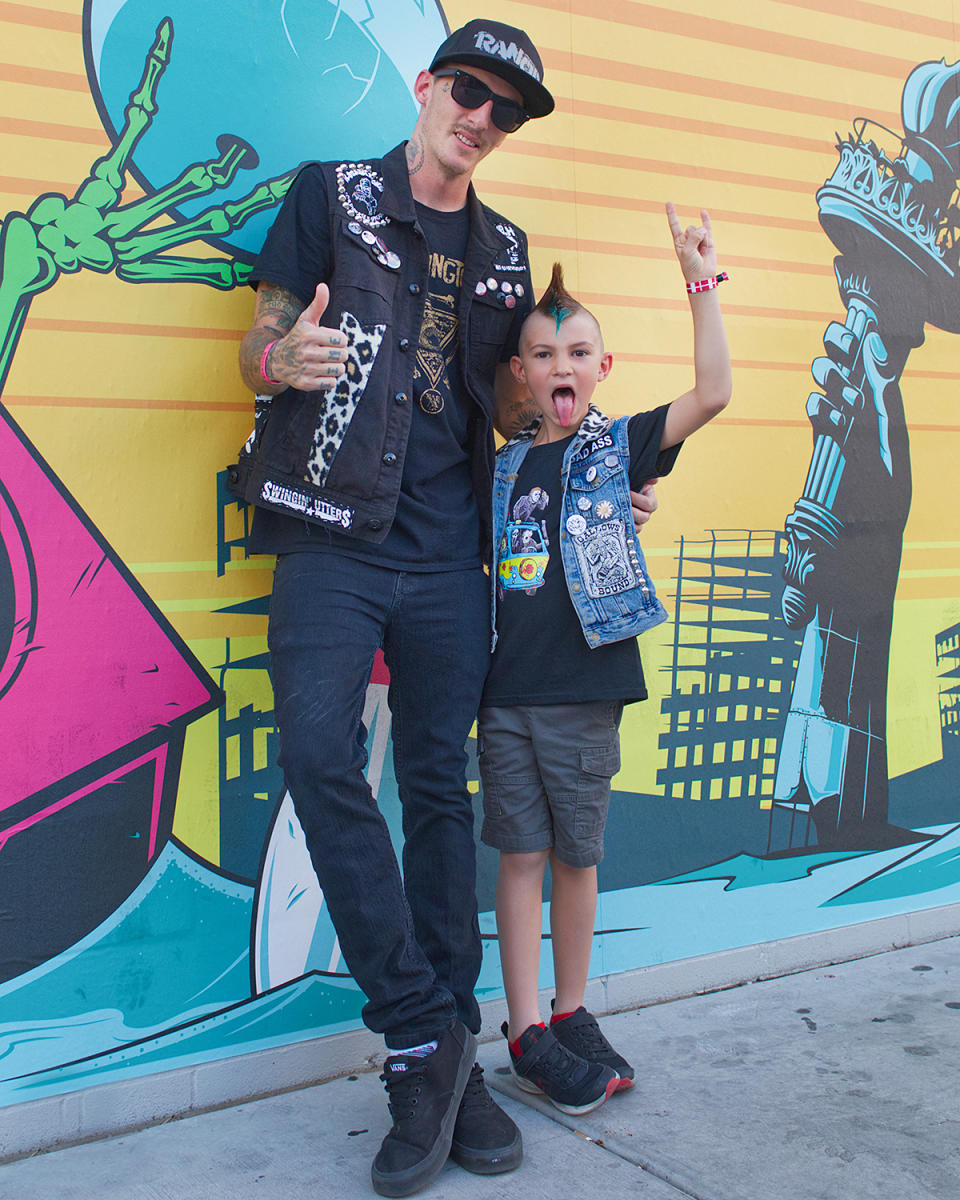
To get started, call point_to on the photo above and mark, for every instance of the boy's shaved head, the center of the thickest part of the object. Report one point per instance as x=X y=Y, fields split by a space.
x=557 y=304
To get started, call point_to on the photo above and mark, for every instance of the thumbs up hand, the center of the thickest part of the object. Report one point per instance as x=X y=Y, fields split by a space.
x=311 y=357
x=317 y=306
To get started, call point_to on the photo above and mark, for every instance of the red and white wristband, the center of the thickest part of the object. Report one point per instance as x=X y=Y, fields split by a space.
x=707 y=285
x=263 y=364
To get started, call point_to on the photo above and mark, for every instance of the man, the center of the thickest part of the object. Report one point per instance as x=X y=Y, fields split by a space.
x=371 y=469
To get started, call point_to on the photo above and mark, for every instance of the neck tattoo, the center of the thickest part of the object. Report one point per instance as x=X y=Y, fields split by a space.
x=414 y=155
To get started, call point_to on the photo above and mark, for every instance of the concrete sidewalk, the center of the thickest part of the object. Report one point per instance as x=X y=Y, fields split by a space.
x=840 y=1082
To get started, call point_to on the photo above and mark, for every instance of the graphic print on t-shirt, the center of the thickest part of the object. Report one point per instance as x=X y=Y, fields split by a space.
x=438 y=334
x=438 y=344
x=524 y=547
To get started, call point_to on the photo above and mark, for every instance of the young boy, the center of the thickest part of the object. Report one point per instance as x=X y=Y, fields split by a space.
x=570 y=593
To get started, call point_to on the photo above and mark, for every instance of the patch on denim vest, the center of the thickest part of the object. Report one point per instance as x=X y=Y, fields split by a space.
x=363 y=344
x=603 y=554
x=359 y=189
x=513 y=256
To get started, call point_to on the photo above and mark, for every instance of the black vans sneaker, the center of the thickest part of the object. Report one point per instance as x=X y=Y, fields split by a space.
x=568 y=1082
x=580 y=1033
x=485 y=1140
x=424 y=1096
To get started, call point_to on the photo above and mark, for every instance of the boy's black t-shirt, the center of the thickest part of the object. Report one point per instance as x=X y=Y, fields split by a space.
x=542 y=656
x=437 y=524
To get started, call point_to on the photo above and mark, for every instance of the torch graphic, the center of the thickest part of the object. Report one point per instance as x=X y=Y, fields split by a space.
x=890 y=208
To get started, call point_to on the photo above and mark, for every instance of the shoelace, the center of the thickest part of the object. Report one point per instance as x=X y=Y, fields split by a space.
x=559 y=1061
x=475 y=1094
x=402 y=1092
x=589 y=1036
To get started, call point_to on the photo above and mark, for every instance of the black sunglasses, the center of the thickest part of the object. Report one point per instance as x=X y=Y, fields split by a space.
x=470 y=92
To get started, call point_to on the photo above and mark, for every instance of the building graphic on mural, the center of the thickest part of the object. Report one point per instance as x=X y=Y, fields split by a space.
x=769 y=726
x=250 y=781
x=249 y=778
x=733 y=660
x=948 y=658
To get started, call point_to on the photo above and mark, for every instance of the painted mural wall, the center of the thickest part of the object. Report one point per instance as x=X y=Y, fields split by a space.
x=796 y=767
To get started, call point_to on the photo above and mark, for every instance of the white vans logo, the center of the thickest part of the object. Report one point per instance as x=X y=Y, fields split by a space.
x=512 y=53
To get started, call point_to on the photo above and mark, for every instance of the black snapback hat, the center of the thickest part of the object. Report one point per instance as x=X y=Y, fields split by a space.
x=503 y=50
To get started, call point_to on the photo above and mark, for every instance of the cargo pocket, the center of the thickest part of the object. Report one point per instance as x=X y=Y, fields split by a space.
x=598 y=765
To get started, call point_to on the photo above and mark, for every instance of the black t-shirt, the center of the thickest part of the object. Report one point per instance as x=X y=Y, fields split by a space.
x=542 y=656
x=437 y=524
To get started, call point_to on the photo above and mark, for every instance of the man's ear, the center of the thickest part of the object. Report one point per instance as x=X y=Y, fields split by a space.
x=516 y=368
x=421 y=86
x=606 y=366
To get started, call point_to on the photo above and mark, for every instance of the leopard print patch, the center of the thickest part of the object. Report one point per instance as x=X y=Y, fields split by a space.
x=363 y=344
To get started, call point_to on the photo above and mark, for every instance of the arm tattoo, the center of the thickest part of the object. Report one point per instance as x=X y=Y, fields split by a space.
x=414 y=155
x=278 y=308
x=517 y=414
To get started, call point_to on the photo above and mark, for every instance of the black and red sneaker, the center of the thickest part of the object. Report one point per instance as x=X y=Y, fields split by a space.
x=540 y=1063
x=579 y=1032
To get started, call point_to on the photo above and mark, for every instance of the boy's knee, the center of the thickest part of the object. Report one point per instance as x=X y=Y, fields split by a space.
x=577 y=854
x=523 y=863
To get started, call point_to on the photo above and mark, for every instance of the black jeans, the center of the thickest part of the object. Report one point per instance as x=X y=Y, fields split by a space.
x=412 y=944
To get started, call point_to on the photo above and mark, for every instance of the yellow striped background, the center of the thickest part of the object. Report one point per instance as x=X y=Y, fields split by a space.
x=131 y=392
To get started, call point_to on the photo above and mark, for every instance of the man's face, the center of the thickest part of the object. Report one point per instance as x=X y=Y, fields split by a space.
x=561 y=367
x=457 y=138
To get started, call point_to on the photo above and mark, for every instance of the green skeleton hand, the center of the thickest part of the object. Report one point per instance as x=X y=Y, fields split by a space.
x=94 y=230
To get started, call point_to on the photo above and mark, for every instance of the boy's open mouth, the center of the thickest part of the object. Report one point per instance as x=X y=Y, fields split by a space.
x=564 y=400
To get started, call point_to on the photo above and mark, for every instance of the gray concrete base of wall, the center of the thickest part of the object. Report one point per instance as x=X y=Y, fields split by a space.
x=36 y=1126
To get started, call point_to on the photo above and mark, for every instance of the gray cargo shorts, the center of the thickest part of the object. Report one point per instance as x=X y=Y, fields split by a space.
x=545 y=771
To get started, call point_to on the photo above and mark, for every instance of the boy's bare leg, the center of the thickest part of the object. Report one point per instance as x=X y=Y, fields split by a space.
x=519 y=928
x=573 y=908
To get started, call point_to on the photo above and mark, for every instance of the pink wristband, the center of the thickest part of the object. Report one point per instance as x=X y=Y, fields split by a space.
x=263 y=364
x=708 y=284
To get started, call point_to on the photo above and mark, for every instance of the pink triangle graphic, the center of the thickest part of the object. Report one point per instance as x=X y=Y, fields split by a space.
x=92 y=666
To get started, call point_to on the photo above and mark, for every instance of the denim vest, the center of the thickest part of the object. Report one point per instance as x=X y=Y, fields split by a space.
x=607 y=580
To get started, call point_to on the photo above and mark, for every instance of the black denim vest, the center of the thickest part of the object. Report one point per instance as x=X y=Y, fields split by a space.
x=336 y=458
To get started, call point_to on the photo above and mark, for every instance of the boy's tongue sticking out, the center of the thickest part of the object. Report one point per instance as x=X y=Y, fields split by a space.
x=564 y=401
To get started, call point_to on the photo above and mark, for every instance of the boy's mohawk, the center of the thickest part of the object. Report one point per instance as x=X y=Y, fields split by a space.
x=556 y=301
